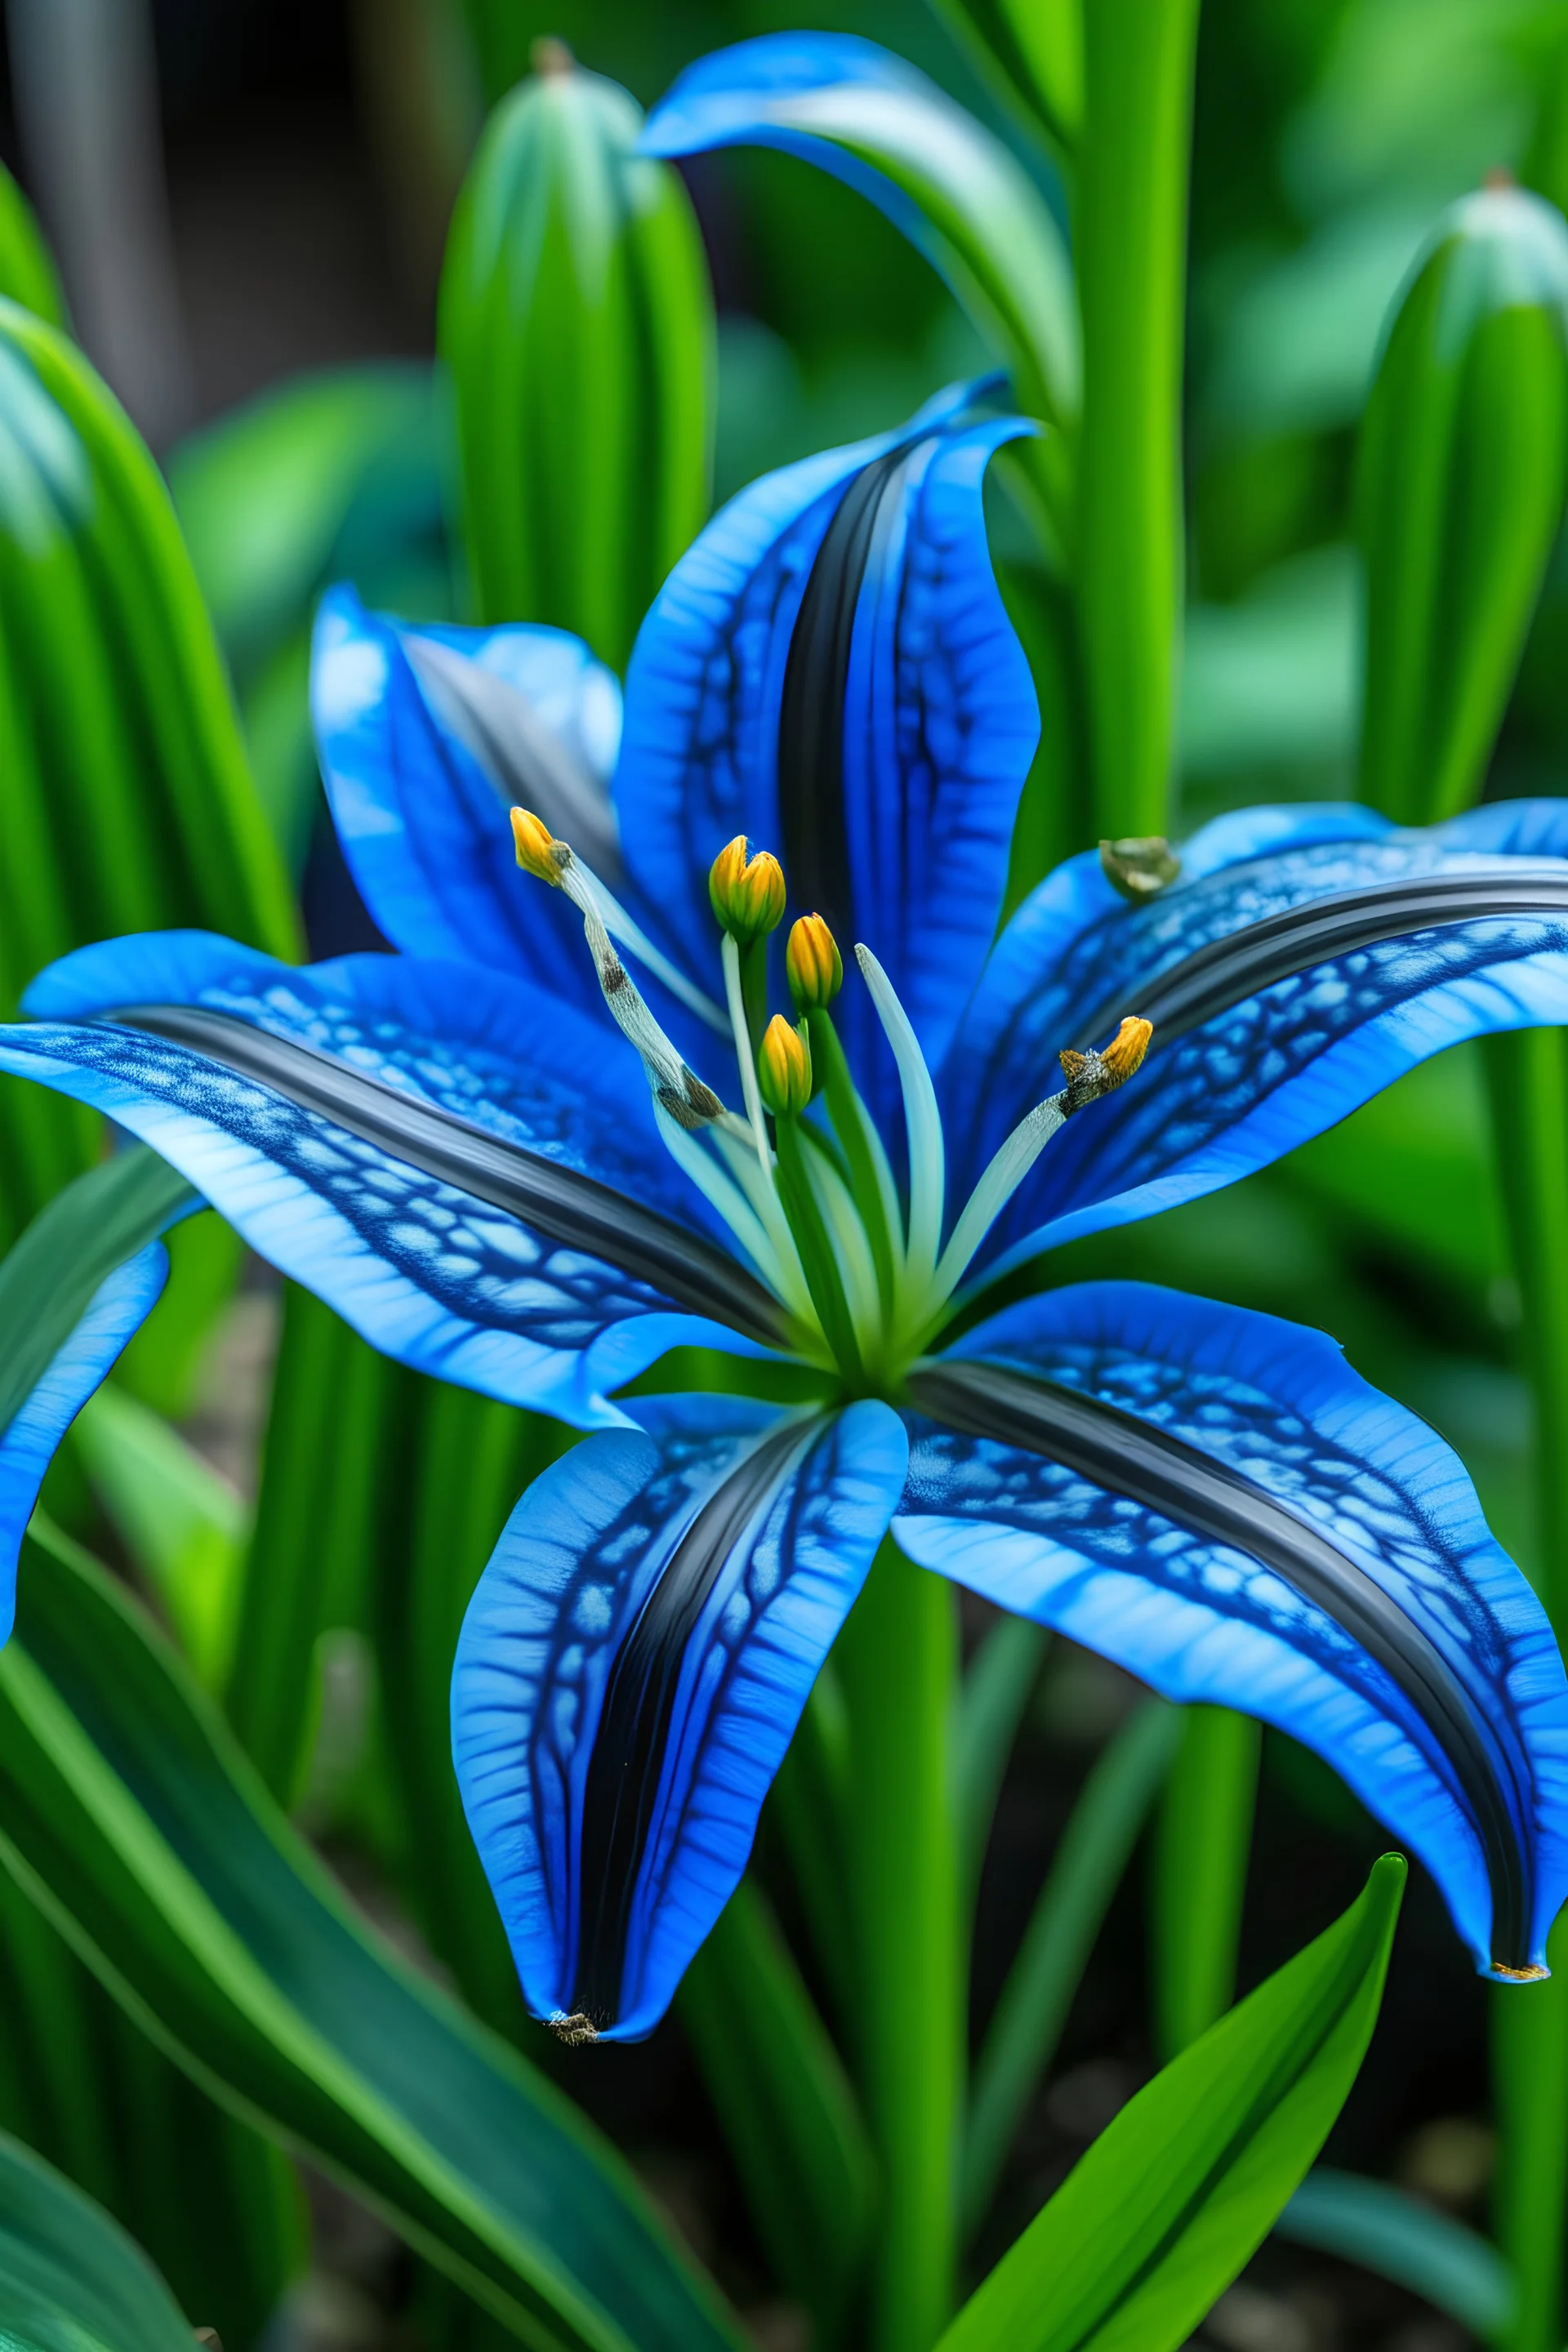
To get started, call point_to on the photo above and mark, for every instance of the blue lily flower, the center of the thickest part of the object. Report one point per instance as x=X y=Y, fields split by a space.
x=508 y=1160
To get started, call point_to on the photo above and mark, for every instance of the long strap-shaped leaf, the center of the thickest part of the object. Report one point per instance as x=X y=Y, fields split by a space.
x=48 y=1278
x=68 y=2275
x=128 y=1813
x=1161 y=2214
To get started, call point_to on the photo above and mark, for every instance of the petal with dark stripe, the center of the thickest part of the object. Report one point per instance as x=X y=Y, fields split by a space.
x=1304 y=961
x=830 y=670
x=119 y=1308
x=427 y=737
x=1214 y=1499
x=631 y=1669
x=461 y=1166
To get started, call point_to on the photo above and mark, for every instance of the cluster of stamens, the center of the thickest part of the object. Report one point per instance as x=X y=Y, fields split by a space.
x=864 y=1274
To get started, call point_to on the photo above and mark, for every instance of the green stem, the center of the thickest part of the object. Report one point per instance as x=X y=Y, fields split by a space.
x=1131 y=245
x=899 y=1659
x=1530 y=2085
x=1199 y=1872
x=1529 y=1078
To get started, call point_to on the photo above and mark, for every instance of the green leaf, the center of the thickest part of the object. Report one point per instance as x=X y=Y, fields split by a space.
x=70 y=2279
x=576 y=320
x=218 y=2208
x=327 y=1497
x=27 y=273
x=1168 y=2204
x=1085 y=1871
x=71 y=1247
x=997 y=1687
x=132 y=1819
x=786 y=2106
x=1386 y=2230
x=127 y=804
x=182 y=1522
x=1461 y=475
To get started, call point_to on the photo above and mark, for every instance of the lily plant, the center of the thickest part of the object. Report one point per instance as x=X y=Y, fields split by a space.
x=587 y=1113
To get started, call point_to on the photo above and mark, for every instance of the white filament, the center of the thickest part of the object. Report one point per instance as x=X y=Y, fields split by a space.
x=1008 y=1167
x=922 y=1122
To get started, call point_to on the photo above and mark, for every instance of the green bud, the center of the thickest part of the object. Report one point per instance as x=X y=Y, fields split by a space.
x=1461 y=475
x=784 y=1068
x=576 y=320
x=746 y=891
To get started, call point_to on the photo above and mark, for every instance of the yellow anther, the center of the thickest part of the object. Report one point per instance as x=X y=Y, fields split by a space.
x=812 y=960
x=538 y=851
x=747 y=893
x=783 y=1069
x=1091 y=1075
x=1138 y=866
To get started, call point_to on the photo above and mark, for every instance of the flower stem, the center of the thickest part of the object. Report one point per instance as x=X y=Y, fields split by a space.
x=898 y=1660
x=1130 y=243
x=1528 y=1079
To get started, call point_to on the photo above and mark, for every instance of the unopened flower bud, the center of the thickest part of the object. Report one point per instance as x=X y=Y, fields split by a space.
x=783 y=1069
x=747 y=893
x=538 y=851
x=814 y=965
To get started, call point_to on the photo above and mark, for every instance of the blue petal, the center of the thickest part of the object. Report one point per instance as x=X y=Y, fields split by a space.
x=120 y=1307
x=625 y=1688
x=426 y=1271
x=423 y=822
x=1271 y=1066
x=1199 y=1619
x=884 y=768
x=723 y=100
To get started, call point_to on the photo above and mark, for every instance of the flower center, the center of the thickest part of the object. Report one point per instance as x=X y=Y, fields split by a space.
x=802 y=1180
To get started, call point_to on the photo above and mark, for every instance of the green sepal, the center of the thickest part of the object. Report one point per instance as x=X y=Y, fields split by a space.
x=1174 y=2196
x=576 y=320
x=1462 y=469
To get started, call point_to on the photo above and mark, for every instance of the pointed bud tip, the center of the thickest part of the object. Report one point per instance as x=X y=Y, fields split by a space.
x=1138 y=866
x=747 y=892
x=784 y=1068
x=549 y=54
x=812 y=964
x=538 y=851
